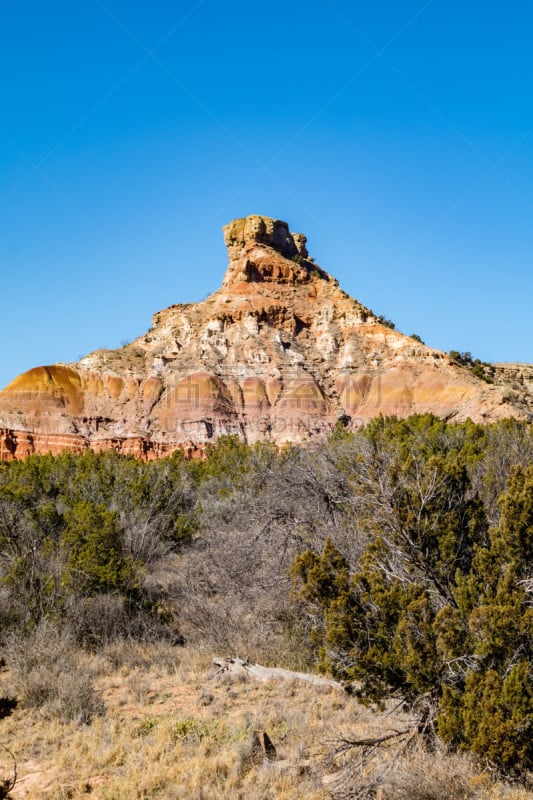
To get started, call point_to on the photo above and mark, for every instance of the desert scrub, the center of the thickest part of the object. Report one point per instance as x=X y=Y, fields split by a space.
x=47 y=672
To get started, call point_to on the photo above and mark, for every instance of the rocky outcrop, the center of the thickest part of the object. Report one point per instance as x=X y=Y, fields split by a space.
x=279 y=352
x=518 y=380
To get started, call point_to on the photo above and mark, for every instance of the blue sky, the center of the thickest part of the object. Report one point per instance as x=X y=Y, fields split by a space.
x=397 y=135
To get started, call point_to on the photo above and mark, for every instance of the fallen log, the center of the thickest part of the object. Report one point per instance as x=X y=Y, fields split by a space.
x=239 y=666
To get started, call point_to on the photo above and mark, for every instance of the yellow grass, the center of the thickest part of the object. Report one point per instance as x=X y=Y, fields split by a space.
x=171 y=731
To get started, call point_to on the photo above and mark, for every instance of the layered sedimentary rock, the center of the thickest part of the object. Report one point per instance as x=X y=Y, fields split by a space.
x=279 y=352
x=518 y=379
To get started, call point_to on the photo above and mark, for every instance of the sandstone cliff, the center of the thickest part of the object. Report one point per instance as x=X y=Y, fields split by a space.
x=279 y=352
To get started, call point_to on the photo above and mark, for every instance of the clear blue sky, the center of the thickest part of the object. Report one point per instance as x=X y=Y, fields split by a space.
x=397 y=135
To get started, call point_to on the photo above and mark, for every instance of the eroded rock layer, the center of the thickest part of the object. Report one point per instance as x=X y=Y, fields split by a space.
x=279 y=352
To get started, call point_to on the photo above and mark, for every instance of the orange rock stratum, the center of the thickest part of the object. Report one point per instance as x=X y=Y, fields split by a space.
x=279 y=352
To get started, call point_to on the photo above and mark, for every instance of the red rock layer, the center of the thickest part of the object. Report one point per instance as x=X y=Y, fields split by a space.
x=20 y=444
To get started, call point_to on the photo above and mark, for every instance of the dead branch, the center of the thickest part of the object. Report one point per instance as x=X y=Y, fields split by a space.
x=346 y=744
x=362 y=778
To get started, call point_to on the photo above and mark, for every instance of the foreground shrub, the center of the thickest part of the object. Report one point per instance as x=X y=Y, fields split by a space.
x=46 y=672
x=437 y=614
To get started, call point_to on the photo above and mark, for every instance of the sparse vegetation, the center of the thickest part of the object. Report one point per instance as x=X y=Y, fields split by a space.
x=411 y=542
x=167 y=745
x=387 y=322
x=48 y=672
x=481 y=369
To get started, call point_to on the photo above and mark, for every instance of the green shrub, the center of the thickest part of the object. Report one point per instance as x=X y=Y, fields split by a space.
x=481 y=369
x=93 y=540
x=76 y=527
x=438 y=611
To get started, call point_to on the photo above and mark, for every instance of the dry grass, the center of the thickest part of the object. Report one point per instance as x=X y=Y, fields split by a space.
x=169 y=731
x=48 y=672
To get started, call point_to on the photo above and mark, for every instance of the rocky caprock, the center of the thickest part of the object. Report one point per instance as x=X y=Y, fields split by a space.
x=279 y=352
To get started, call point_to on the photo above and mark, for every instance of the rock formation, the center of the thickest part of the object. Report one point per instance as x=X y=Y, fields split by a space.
x=279 y=352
